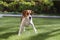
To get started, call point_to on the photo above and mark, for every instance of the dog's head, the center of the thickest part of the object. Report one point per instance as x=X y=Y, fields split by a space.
x=25 y=13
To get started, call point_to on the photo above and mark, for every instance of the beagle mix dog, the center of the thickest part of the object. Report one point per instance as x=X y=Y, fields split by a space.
x=26 y=19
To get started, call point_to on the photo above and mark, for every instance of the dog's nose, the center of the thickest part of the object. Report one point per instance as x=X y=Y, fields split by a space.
x=29 y=17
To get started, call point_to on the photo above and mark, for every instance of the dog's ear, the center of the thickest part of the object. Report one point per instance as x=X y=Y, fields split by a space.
x=24 y=13
x=32 y=12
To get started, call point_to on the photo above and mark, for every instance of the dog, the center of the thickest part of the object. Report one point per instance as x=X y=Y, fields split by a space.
x=26 y=19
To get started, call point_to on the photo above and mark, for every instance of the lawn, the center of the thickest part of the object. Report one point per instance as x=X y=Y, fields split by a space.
x=48 y=29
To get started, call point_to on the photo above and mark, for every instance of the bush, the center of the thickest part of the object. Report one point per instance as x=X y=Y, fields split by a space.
x=25 y=5
x=20 y=6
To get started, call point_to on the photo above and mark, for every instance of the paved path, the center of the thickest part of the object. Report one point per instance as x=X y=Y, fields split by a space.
x=40 y=16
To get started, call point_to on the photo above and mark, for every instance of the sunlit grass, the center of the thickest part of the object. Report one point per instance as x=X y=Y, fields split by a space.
x=48 y=29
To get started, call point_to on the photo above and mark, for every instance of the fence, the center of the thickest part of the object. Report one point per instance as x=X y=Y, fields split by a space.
x=35 y=16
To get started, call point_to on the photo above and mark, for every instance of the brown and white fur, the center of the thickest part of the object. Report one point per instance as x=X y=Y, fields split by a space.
x=26 y=20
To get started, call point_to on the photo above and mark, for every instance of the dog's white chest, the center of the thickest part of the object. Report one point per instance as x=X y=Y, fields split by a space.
x=27 y=20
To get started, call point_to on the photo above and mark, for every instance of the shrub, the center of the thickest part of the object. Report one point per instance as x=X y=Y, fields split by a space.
x=20 y=6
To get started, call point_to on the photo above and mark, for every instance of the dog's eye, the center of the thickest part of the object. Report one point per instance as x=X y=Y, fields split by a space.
x=27 y=13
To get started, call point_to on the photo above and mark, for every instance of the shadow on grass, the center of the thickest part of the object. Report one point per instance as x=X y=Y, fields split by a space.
x=44 y=36
x=4 y=28
x=6 y=35
x=41 y=36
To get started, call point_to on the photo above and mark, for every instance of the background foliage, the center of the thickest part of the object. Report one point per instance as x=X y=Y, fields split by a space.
x=39 y=6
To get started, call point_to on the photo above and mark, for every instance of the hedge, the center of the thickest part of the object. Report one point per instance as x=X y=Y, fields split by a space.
x=20 y=6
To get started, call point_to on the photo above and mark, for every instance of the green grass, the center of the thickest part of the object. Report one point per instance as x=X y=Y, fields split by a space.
x=48 y=29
